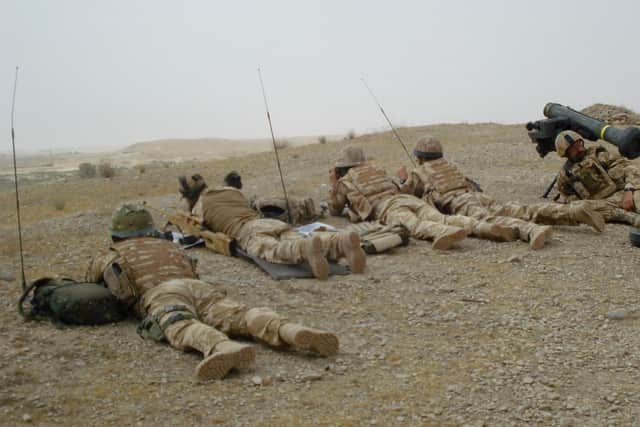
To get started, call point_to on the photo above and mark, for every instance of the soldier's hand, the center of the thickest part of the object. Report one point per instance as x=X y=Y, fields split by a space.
x=402 y=174
x=333 y=178
x=627 y=201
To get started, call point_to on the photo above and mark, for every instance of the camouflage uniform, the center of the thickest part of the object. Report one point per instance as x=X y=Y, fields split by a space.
x=226 y=210
x=599 y=180
x=371 y=194
x=440 y=182
x=158 y=281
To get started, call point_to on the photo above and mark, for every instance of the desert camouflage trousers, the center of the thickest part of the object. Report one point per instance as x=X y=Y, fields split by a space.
x=523 y=218
x=425 y=222
x=481 y=206
x=215 y=317
x=611 y=208
x=277 y=242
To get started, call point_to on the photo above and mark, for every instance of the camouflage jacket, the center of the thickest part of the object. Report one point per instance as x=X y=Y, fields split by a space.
x=599 y=175
x=361 y=190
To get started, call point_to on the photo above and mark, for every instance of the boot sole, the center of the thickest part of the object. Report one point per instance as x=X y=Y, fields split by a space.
x=217 y=366
x=318 y=263
x=538 y=242
x=355 y=255
x=323 y=343
x=594 y=220
x=446 y=241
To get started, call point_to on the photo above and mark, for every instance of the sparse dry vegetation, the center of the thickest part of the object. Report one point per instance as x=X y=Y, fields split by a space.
x=106 y=170
x=58 y=202
x=281 y=144
x=86 y=170
x=351 y=134
x=322 y=140
x=141 y=168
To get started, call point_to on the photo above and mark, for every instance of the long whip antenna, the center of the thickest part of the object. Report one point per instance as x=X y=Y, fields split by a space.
x=275 y=148
x=393 y=129
x=15 y=179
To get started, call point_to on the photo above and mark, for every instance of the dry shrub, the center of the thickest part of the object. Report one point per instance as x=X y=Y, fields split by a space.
x=281 y=144
x=106 y=170
x=322 y=140
x=295 y=156
x=86 y=170
x=351 y=134
x=58 y=203
x=141 y=168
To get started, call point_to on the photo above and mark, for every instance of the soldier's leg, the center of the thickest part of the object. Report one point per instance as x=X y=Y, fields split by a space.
x=173 y=306
x=442 y=235
x=552 y=213
x=268 y=326
x=611 y=210
x=262 y=238
x=477 y=228
x=344 y=244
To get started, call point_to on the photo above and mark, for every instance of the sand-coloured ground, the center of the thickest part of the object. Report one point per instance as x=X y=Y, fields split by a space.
x=485 y=334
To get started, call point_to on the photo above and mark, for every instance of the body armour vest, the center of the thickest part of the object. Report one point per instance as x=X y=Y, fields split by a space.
x=367 y=186
x=226 y=210
x=442 y=177
x=146 y=262
x=590 y=180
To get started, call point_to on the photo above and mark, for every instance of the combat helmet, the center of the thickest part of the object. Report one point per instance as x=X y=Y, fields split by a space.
x=131 y=221
x=428 y=148
x=564 y=140
x=351 y=156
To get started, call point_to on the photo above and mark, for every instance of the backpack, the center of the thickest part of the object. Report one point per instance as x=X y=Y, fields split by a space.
x=67 y=301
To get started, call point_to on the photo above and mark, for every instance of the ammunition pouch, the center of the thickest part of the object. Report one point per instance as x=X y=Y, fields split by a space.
x=152 y=328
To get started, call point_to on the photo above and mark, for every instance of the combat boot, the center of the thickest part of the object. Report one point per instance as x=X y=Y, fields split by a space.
x=449 y=235
x=585 y=215
x=538 y=235
x=498 y=232
x=309 y=339
x=350 y=245
x=313 y=254
x=225 y=356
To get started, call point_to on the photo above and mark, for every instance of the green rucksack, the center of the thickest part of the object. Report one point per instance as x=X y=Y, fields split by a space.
x=67 y=301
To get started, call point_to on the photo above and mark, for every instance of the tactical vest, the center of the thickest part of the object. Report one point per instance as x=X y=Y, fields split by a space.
x=441 y=176
x=590 y=180
x=367 y=186
x=146 y=262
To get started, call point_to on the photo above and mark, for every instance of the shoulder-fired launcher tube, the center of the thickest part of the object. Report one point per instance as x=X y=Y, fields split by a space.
x=627 y=140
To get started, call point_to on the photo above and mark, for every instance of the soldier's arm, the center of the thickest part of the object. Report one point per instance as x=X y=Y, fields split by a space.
x=563 y=185
x=337 y=199
x=98 y=265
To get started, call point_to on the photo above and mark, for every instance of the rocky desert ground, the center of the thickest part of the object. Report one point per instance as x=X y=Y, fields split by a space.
x=484 y=334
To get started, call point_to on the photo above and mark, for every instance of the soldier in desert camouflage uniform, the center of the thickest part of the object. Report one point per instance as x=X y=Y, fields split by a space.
x=226 y=210
x=370 y=194
x=441 y=183
x=607 y=182
x=158 y=281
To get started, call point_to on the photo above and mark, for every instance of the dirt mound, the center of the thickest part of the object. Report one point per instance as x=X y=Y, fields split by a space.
x=613 y=114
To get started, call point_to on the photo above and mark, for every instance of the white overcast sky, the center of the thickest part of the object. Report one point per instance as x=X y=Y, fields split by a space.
x=98 y=73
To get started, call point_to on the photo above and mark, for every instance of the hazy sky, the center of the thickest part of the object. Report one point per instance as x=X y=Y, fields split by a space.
x=95 y=73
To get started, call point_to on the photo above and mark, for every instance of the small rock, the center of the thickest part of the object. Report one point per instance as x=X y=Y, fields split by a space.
x=256 y=380
x=311 y=377
x=27 y=418
x=7 y=276
x=514 y=258
x=617 y=314
x=527 y=380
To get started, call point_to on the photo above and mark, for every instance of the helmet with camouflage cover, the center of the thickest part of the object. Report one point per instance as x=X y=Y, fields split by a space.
x=564 y=140
x=131 y=221
x=351 y=156
x=428 y=148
